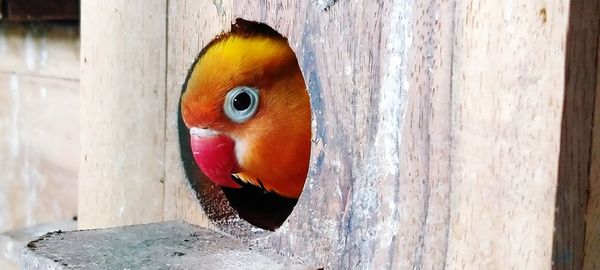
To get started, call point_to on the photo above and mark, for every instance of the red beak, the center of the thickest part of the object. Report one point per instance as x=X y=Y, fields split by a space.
x=215 y=155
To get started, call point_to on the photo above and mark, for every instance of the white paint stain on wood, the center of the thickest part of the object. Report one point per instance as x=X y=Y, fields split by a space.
x=394 y=85
x=392 y=108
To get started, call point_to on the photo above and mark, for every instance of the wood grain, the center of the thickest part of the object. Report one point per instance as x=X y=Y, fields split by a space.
x=591 y=259
x=345 y=83
x=436 y=125
x=507 y=97
x=575 y=179
x=39 y=126
x=417 y=161
x=185 y=42
x=38 y=175
x=123 y=110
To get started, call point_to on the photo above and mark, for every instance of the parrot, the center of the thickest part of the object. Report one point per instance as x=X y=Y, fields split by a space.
x=247 y=109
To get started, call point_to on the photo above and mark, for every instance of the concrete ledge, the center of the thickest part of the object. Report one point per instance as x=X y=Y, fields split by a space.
x=168 y=245
x=12 y=243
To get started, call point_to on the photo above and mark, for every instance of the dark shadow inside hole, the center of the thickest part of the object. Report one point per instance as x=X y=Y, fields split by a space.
x=223 y=205
x=261 y=209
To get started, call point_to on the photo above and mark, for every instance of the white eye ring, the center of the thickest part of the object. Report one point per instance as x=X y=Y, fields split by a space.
x=241 y=103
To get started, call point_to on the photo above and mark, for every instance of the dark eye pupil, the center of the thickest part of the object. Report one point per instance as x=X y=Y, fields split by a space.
x=241 y=101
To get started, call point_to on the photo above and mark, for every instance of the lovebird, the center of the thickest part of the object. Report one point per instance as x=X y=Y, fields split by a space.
x=248 y=112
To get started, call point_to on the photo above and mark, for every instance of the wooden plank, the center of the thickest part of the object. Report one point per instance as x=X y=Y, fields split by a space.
x=576 y=141
x=39 y=146
x=48 y=50
x=12 y=204
x=50 y=131
x=31 y=10
x=426 y=140
x=591 y=259
x=184 y=44
x=123 y=112
x=507 y=97
x=417 y=161
x=355 y=175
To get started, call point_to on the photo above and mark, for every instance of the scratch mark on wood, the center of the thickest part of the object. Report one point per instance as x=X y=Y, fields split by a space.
x=219 y=6
x=326 y=5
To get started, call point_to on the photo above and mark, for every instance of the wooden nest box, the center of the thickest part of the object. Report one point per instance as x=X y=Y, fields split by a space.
x=445 y=133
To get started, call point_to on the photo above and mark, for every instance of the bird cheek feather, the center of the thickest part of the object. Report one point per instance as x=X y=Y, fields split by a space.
x=240 y=150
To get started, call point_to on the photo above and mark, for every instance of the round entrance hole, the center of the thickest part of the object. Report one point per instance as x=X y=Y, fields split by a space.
x=244 y=127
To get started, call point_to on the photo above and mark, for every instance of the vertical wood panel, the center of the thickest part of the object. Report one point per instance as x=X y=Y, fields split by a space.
x=38 y=172
x=592 y=225
x=358 y=209
x=12 y=208
x=51 y=148
x=192 y=24
x=123 y=112
x=39 y=124
x=507 y=96
x=576 y=141
x=426 y=141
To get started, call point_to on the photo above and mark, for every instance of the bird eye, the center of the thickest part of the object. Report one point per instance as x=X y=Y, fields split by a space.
x=241 y=103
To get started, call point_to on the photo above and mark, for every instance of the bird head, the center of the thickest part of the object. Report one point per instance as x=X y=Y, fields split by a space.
x=248 y=112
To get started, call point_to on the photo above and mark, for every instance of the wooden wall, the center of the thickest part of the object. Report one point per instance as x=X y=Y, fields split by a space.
x=122 y=112
x=436 y=124
x=591 y=252
x=39 y=127
x=577 y=237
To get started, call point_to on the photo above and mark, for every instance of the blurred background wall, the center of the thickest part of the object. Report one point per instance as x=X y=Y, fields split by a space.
x=39 y=123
